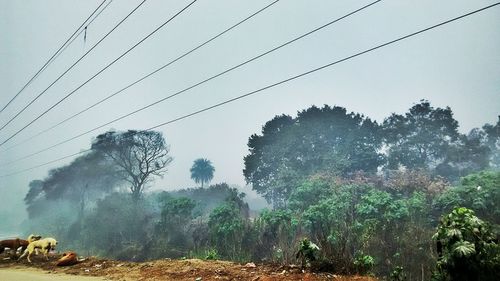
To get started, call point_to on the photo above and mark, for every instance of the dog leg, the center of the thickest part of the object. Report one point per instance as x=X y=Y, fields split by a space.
x=46 y=251
x=23 y=255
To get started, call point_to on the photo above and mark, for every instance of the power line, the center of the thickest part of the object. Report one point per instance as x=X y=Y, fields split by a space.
x=290 y=78
x=144 y=77
x=47 y=163
x=73 y=65
x=223 y=72
x=82 y=30
x=100 y=71
x=52 y=58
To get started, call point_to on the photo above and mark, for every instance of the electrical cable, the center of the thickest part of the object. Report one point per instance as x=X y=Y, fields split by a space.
x=223 y=72
x=99 y=72
x=143 y=77
x=287 y=80
x=73 y=65
x=51 y=59
x=87 y=25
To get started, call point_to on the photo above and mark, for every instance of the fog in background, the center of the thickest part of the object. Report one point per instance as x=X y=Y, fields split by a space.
x=456 y=65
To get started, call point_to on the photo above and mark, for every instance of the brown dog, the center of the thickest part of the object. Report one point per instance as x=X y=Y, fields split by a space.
x=14 y=244
x=68 y=258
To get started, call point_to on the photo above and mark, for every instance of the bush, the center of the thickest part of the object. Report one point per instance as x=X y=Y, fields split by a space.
x=467 y=248
x=364 y=263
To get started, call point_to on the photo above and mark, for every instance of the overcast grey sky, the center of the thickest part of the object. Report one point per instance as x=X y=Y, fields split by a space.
x=457 y=65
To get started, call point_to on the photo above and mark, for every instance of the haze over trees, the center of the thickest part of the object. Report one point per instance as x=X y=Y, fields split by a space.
x=375 y=197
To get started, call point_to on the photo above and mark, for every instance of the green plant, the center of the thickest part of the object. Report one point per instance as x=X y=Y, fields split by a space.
x=467 y=248
x=211 y=254
x=307 y=252
x=397 y=274
x=363 y=263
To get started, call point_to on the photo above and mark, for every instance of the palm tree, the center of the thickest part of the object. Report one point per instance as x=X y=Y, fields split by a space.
x=202 y=171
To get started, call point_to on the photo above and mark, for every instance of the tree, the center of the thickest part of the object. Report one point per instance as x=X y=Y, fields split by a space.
x=469 y=153
x=138 y=156
x=202 y=171
x=86 y=178
x=493 y=142
x=327 y=139
x=421 y=137
x=479 y=192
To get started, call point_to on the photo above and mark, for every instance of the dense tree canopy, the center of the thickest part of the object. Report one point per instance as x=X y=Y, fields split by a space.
x=327 y=139
x=421 y=137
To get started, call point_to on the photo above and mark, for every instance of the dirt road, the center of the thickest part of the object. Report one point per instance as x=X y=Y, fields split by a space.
x=25 y=274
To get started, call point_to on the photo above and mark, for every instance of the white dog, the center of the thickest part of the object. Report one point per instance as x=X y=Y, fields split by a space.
x=45 y=245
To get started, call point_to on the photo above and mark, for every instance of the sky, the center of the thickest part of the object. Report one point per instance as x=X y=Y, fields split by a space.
x=457 y=65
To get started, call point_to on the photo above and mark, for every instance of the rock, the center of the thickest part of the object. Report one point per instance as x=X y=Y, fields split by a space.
x=198 y=279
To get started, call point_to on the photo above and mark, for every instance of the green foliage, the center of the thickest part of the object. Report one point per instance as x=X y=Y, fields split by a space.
x=364 y=263
x=479 y=192
x=277 y=235
x=397 y=274
x=307 y=252
x=309 y=193
x=226 y=230
x=175 y=218
x=211 y=254
x=319 y=172
x=470 y=250
x=202 y=171
x=117 y=222
x=421 y=137
x=327 y=139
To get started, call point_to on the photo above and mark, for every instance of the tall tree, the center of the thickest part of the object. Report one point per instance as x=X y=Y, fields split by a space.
x=327 y=139
x=421 y=137
x=493 y=142
x=138 y=156
x=202 y=171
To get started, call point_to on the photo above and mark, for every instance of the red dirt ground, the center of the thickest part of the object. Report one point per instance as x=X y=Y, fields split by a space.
x=178 y=270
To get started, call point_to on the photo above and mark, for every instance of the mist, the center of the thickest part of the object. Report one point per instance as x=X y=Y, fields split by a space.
x=355 y=168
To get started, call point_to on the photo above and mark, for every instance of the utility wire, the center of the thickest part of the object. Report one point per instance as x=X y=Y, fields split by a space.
x=73 y=65
x=82 y=30
x=52 y=58
x=144 y=77
x=282 y=81
x=100 y=71
x=48 y=163
x=225 y=71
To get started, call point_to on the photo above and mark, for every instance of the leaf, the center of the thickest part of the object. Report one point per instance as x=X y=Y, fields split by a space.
x=464 y=249
x=454 y=232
